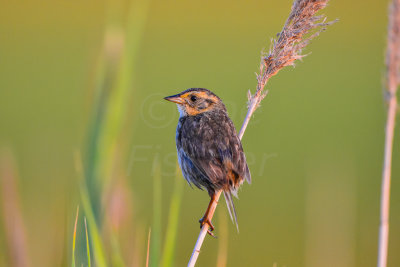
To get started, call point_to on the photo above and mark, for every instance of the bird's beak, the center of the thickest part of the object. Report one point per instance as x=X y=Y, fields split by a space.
x=175 y=98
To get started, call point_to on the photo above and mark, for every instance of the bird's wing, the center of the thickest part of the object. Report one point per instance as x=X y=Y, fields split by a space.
x=192 y=173
x=216 y=151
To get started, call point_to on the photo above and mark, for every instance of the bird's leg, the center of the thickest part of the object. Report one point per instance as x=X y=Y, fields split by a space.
x=209 y=214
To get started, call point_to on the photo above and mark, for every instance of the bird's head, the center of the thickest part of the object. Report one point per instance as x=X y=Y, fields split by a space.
x=194 y=101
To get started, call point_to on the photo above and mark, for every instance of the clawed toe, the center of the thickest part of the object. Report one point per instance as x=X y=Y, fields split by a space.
x=211 y=228
x=204 y=221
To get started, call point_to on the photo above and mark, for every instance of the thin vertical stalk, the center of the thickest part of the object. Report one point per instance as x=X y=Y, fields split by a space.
x=167 y=258
x=87 y=244
x=148 y=248
x=385 y=193
x=15 y=236
x=155 y=248
x=392 y=82
x=74 y=238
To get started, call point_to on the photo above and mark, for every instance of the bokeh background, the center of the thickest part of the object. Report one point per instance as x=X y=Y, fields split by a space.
x=83 y=123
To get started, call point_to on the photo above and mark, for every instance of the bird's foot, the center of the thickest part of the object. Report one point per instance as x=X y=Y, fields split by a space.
x=211 y=228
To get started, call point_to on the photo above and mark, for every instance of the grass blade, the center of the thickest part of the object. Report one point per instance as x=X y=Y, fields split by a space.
x=87 y=244
x=94 y=233
x=117 y=260
x=156 y=243
x=173 y=221
x=74 y=237
x=98 y=249
x=148 y=249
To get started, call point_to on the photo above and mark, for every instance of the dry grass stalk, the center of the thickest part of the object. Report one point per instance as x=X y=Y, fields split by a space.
x=392 y=82
x=300 y=28
x=15 y=233
x=148 y=249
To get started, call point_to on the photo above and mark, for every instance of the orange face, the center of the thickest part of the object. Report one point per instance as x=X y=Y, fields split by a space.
x=193 y=103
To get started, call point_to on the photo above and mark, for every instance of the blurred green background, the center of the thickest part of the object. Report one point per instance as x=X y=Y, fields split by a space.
x=82 y=120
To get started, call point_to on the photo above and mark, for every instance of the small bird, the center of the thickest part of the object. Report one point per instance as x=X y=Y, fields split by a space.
x=210 y=153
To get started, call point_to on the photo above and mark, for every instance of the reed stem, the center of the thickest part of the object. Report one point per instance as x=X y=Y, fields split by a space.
x=392 y=82
x=285 y=50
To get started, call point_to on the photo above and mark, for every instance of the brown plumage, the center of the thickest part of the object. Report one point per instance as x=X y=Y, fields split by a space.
x=210 y=153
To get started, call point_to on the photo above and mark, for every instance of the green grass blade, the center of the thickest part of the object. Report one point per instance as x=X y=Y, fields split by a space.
x=87 y=244
x=74 y=237
x=120 y=91
x=173 y=221
x=113 y=82
x=148 y=248
x=94 y=234
x=117 y=260
x=156 y=238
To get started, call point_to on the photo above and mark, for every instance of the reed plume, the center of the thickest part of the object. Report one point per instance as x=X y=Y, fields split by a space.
x=300 y=28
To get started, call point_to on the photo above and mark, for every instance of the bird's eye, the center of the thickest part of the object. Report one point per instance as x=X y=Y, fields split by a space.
x=193 y=98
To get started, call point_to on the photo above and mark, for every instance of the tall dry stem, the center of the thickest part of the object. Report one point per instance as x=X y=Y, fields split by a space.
x=392 y=82
x=15 y=232
x=300 y=28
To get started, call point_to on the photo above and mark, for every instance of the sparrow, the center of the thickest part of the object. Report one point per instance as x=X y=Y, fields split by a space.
x=210 y=153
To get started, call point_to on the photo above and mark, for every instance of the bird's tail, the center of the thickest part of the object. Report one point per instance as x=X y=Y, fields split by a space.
x=231 y=208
